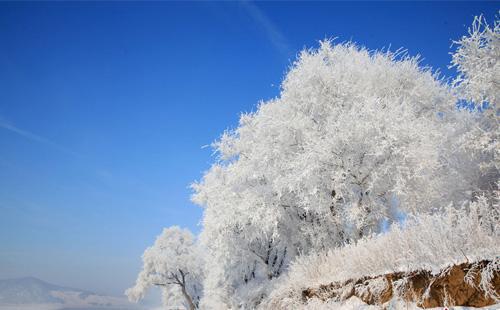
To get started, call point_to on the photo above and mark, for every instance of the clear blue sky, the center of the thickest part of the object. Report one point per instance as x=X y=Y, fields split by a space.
x=105 y=107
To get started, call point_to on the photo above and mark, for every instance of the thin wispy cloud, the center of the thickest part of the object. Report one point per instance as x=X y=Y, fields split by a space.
x=268 y=27
x=103 y=174
x=35 y=138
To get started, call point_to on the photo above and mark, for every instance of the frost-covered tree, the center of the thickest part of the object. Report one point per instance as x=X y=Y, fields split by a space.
x=176 y=264
x=355 y=139
x=477 y=60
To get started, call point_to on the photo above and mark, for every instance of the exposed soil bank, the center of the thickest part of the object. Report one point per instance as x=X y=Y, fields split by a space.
x=468 y=284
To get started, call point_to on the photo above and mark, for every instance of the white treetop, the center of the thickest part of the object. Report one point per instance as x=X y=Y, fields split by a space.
x=174 y=263
x=477 y=59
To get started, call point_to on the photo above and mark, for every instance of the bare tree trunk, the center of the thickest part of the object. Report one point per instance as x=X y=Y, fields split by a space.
x=190 y=302
x=182 y=283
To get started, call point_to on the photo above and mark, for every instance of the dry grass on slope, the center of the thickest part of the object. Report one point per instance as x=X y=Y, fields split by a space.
x=429 y=246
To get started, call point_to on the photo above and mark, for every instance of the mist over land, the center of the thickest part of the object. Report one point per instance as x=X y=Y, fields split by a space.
x=31 y=293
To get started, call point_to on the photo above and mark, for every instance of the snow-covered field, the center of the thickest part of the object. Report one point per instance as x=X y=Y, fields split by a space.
x=355 y=303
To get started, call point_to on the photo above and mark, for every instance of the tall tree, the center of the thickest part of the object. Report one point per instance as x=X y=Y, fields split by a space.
x=355 y=139
x=477 y=60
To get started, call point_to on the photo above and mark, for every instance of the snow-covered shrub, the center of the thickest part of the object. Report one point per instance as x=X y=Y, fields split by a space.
x=425 y=242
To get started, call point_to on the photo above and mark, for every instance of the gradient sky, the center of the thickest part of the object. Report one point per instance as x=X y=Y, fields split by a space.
x=105 y=109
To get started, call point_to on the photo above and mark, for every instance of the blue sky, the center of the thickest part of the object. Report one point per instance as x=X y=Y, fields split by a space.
x=105 y=108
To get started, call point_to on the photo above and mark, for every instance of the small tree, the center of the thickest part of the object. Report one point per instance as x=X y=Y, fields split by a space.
x=174 y=263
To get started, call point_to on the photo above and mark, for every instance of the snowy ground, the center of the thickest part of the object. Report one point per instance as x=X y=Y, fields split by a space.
x=355 y=303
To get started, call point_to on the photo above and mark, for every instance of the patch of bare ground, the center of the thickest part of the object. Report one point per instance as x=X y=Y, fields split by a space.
x=468 y=284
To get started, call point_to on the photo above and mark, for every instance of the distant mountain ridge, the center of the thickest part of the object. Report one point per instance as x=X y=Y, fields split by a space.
x=30 y=290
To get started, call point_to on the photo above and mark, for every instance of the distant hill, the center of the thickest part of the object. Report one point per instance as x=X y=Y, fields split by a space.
x=15 y=293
